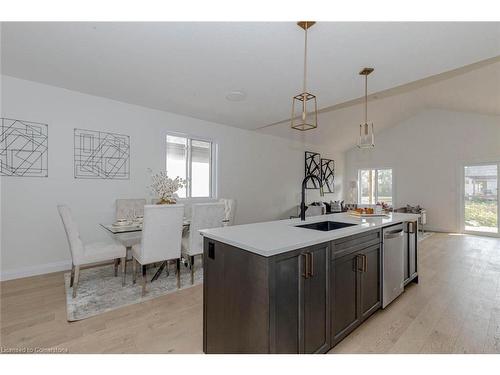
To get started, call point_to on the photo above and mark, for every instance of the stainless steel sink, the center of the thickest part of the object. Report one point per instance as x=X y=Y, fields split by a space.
x=325 y=225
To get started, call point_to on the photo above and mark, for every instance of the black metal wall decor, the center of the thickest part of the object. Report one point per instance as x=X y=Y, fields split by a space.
x=312 y=166
x=24 y=148
x=327 y=175
x=101 y=155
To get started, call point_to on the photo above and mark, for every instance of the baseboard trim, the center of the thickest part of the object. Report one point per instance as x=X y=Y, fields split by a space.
x=437 y=230
x=19 y=273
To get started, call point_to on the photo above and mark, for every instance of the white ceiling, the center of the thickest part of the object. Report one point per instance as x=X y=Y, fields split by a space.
x=471 y=89
x=188 y=68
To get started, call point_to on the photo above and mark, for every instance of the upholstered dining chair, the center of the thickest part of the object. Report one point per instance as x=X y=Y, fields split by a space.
x=83 y=256
x=126 y=208
x=161 y=239
x=229 y=208
x=204 y=216
x=314 y=210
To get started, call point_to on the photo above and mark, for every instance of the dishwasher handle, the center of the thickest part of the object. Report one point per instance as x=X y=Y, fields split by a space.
x=393 y=233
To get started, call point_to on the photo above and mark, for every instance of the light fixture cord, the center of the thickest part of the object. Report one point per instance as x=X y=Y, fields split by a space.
x=366 y=99
x=305 y=57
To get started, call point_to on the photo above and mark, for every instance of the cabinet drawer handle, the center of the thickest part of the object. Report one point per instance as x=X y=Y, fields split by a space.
x=306 y=266
x=311 y=264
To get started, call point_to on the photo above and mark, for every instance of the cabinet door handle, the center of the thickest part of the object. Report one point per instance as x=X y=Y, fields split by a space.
x=306 y=265
x=365 y=263
x=358 y=258
x=311 y=264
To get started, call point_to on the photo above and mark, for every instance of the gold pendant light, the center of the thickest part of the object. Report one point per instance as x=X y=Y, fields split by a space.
x=307 y=119
x=366 y=137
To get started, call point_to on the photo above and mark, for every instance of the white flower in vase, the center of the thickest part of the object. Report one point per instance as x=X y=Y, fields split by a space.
x=165 y=187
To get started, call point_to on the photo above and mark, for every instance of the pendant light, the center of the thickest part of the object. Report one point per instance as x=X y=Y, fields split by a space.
x=366 y=137
x=307 y=119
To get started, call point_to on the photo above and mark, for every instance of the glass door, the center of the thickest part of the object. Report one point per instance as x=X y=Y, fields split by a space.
x=480 y=210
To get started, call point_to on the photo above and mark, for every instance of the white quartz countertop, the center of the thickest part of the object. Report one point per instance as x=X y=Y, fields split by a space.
x=276 y=237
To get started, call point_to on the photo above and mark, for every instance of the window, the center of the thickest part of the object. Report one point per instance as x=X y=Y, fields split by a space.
x=375 y=185
x=191 y=159
x=481 y=204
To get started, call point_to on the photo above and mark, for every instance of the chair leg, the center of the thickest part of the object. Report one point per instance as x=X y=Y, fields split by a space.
x=134 y=270
x=76 y=280
x=72 y=276
x=124 y=269
x=117 y=261
x=178 y=269
x=191 y=261
x=143 y=280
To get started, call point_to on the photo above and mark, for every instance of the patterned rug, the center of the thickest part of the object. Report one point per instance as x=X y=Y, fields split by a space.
x=100 y=291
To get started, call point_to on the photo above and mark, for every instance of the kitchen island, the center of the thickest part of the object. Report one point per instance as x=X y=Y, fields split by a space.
x=276 y=287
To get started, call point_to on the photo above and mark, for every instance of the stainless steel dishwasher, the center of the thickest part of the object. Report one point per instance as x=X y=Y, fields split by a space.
x=393 y=263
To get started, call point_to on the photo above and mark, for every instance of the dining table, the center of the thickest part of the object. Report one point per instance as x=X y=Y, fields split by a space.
x=130 y=234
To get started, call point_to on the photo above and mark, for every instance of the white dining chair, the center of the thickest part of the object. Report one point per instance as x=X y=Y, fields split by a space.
x=204 y=216
x=229 y=208
x=83 y=256
x=126 y=208
x=161 y=239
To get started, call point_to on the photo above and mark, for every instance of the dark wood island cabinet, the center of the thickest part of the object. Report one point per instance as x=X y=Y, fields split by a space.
x=300 y=301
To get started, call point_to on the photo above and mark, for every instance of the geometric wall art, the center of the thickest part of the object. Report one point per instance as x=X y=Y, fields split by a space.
x=312 y=166
x=101 y=155
x=327 y=175
x=23 y=148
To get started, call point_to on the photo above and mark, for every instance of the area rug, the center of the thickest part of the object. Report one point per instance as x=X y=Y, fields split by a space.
x=100 y=291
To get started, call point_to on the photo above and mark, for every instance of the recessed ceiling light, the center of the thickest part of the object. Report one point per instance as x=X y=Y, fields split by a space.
x=236 y=96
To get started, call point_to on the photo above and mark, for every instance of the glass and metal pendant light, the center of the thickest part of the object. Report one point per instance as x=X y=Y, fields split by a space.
x=366 y=137
x=304 y=102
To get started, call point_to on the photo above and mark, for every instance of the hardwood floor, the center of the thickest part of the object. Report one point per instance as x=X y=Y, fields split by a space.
x=454 y=309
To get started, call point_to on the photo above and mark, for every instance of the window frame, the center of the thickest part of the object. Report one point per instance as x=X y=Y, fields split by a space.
x=213 y=164
x=377 y=169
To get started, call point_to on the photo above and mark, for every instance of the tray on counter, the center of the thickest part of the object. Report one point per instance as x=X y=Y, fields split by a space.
x=357 y=214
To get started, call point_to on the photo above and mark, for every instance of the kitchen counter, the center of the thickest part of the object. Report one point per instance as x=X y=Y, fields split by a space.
x=276 y=237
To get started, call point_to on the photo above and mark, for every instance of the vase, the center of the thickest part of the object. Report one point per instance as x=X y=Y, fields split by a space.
x=166 y=200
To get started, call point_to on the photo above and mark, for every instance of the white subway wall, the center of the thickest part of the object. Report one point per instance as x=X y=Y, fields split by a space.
x=427 y=153
x=263 y=173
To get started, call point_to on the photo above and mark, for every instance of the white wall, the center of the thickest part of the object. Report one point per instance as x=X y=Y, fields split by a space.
x=262 y=172
x=427 y=153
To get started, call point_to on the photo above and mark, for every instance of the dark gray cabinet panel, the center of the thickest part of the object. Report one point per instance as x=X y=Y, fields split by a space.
x=235 y=300
x=316 y=302
x=370 y=281
x=287 y=282
x=213 y=297
x=345 y=296
x=356 y=280
x=300 y=307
